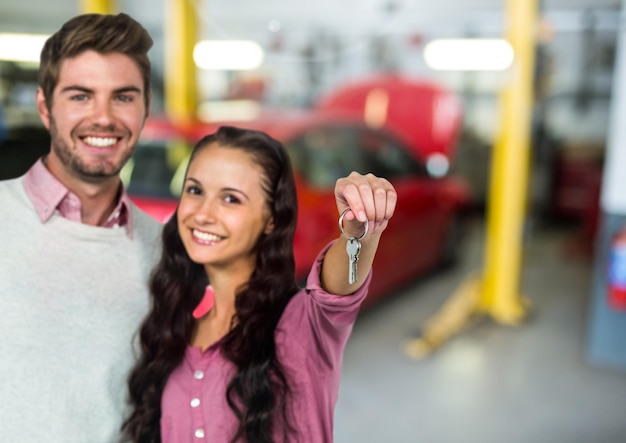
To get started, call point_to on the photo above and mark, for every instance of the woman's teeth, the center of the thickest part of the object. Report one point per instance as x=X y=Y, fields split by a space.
x=205 y=236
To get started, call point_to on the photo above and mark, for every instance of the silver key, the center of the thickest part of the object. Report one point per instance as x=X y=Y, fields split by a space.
x=353 y=247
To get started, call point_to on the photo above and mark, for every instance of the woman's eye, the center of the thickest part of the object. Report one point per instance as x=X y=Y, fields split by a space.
x=231 y=199
x=193 y=190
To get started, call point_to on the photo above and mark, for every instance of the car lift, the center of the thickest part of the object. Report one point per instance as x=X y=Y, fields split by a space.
x=495 y=292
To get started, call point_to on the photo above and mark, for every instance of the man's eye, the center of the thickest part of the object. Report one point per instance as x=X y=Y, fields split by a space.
x=80 y=97
x=125 y=98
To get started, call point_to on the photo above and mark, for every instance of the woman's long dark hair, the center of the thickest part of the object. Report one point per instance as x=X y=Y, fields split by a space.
x=258 y=392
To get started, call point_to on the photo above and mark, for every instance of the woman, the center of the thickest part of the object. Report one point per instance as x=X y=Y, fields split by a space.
x=233 y=350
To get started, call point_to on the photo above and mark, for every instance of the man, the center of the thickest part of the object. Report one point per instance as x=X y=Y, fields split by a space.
x=76 y=252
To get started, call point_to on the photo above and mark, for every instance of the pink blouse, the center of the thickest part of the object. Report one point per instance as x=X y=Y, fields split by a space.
x=311 y=337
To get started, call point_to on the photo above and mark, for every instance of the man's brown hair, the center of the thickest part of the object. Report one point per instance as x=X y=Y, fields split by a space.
x=103 y=33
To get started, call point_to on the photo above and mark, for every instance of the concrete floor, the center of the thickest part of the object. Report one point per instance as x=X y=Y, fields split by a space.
x=491 y=383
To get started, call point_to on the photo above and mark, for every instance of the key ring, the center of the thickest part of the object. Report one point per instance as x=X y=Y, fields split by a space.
x=341 y=225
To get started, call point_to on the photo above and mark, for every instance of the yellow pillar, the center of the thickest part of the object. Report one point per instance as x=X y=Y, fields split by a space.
x=98 y=6
x=495 y=293
x=509 y=173
x=181 y=99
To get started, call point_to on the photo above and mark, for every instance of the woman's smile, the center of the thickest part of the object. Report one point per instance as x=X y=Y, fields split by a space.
x=205 y=238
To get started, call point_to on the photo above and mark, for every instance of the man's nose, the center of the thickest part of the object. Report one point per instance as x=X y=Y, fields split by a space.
x=103 y=112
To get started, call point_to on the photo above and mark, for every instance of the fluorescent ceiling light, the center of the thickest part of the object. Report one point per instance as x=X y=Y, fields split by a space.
x=229 y=110
x=235 y=55
x=21 y=47
x=469 y=55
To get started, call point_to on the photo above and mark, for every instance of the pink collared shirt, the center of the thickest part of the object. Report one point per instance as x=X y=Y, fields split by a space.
x=310 y=340
x=48 y=195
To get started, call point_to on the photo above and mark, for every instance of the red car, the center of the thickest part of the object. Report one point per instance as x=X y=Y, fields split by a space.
x=325 y=145
x=424 y=115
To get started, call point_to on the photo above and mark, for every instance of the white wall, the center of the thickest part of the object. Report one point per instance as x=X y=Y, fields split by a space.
x=613 y=199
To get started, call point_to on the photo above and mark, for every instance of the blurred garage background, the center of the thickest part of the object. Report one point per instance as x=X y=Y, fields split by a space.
x=522 y=338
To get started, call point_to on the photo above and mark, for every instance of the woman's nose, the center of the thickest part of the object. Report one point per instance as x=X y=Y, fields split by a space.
x=205 y=212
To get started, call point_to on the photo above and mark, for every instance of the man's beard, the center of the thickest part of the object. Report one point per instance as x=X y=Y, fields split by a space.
x=99 y=170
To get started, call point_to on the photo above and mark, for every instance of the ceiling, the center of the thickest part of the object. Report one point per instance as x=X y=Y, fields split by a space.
x=231 y=18
x=299 y=24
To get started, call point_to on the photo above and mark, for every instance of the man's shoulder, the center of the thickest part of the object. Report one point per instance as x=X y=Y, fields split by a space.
x=143 y=224
x=10 y=183
x=12 y=187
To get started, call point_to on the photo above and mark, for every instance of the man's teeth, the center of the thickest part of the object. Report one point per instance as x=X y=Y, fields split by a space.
x=100 y=141
x=205 y=236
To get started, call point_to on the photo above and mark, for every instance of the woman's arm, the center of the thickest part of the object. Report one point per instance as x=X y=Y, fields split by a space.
x=368 y=198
